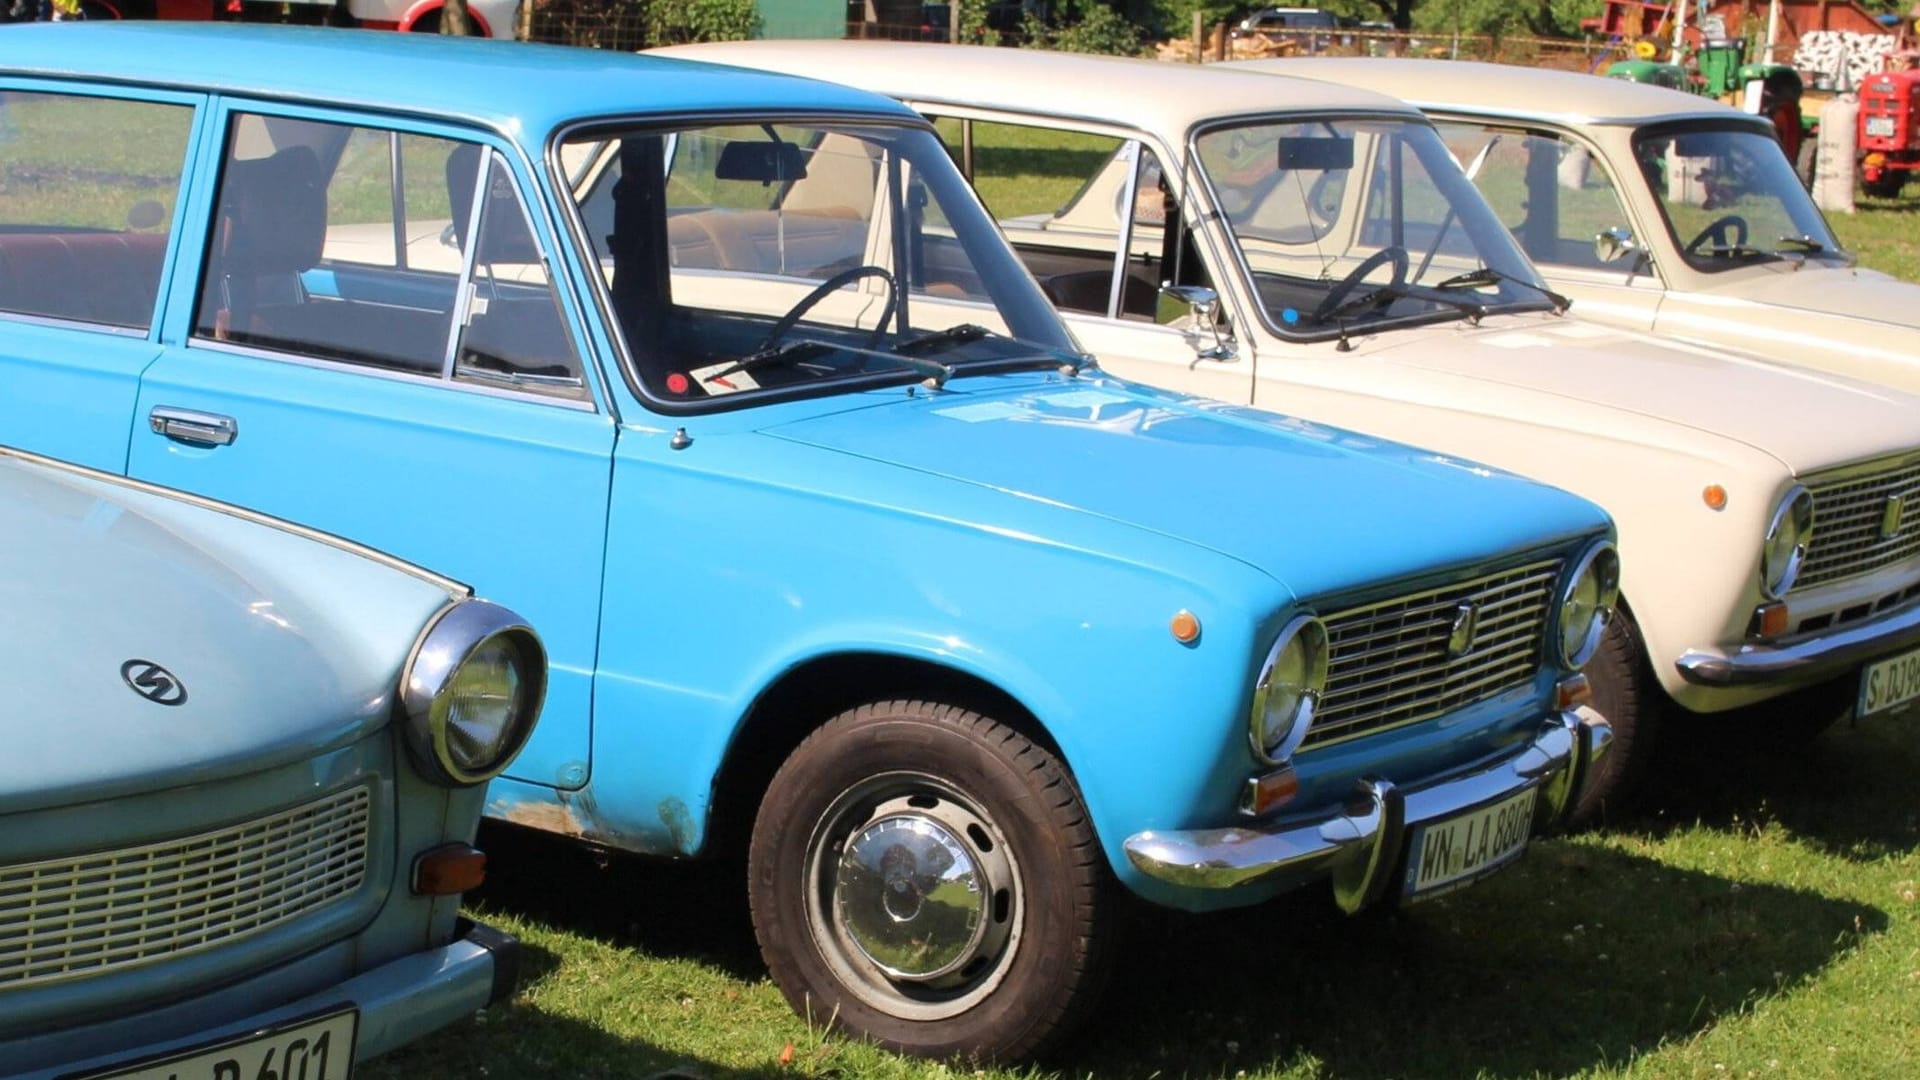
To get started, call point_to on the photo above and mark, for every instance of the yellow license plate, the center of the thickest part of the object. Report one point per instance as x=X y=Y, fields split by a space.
x=1445 y=855
x=319 y=1048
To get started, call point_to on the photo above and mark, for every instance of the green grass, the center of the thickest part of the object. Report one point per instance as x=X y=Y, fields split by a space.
x=1885 y=233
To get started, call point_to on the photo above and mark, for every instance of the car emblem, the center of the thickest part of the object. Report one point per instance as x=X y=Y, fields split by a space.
x=1466 y=621
x=1890 y=517
x=153 y=682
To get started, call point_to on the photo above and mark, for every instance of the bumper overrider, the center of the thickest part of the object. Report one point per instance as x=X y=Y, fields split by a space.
x=1807 y=660
x=1360 y=846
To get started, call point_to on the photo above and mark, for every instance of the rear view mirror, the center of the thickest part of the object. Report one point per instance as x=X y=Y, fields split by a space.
x=1319 y=153
x=765 y=162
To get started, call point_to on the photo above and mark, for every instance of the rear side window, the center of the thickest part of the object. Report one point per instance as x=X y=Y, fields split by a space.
x=357 y=245
x=88 y=187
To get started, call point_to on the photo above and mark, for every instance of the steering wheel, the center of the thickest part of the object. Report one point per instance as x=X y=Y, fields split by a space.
x=1338 y=294
x=1726 y=232
x=838 y=281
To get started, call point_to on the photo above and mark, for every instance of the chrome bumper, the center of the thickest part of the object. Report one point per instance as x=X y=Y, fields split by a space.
x=1807 y=661
x=1359 y=849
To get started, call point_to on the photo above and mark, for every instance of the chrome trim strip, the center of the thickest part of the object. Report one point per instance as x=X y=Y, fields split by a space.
x=1825 y=653
x=1359 y=844
x=375 y=371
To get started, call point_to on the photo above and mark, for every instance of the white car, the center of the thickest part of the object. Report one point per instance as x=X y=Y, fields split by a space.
x=1657 y=210
x=1319 y=253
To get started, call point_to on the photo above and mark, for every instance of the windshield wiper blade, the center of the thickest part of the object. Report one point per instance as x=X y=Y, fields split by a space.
x=778 y=354
x=962 y=333
x=1804 y=243
x=1385 y=294
x=958 y=334
x=1487 y=275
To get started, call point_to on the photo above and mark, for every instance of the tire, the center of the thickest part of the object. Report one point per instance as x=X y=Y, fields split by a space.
x=1626 y=693
x=1806 y=163
x=912 y=784
x=1887 y=187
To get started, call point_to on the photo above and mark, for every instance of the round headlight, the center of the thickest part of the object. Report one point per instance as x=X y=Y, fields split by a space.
x=471 y=691
x=1587 y=604
x=1289 y=689
x=1785 y=548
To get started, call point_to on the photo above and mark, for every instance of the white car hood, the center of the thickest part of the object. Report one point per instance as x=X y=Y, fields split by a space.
x=1855 y=293
x=1808 y=420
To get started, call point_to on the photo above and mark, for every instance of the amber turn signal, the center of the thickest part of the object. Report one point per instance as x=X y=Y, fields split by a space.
x=1571 y=691
x=1269 y=792
x=449 y=870
x=1185 y=627
x=1715 y=497
x=1770 y=620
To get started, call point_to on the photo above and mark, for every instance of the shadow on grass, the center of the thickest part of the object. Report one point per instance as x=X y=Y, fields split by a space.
x=1584 y=956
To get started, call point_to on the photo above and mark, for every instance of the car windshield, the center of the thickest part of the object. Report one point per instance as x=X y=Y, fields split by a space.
x=1730 y=198
x=1344 y=222
x=750 y=261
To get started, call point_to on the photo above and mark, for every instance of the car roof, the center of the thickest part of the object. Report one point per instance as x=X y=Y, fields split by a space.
x=513 y=87
x=1147 y=94
x=1502 y=89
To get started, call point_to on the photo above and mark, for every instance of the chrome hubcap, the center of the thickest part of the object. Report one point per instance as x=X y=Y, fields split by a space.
x=911 y=897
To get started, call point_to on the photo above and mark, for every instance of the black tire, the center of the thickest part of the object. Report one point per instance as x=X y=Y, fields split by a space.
x=1627 y=695
x=1887 y=187
x=1036 y=957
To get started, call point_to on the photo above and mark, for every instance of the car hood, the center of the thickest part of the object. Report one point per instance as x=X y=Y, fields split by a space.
x=1805 y=419
x=282 y=646
x=1319 y=509
x=1856 y=293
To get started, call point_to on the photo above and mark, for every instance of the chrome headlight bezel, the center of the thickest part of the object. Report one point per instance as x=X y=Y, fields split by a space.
x=1783 y=551
x=457 y=634
x=1274 y=743
x=1599 y=565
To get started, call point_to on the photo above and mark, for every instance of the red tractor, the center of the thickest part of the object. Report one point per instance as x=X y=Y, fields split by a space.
x=1889 y=131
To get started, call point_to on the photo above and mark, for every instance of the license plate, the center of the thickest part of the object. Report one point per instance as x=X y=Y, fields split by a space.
x=1447 y=854
x=320 y=1048
x=1881 y=126
x=1890 y=683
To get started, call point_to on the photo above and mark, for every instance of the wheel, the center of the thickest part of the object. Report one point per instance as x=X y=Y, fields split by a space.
x=1624 y=691
x=825 y=289
x=1394 y=256
x=1726 y=232
x=927 y=878
x=1887 y=187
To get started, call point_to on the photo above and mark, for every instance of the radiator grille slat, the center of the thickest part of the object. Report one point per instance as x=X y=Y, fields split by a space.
x=1849 y=512
x=1388 y=663
x=90 y=914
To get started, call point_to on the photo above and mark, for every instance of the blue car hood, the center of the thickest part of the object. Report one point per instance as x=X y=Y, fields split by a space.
x=1319 y=509
x=283 y=646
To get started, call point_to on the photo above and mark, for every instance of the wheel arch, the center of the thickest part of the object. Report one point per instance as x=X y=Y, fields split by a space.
x=424 y=8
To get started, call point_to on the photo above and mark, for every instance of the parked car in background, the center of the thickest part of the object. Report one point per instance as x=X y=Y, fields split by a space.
x=243 y=772
x=1311 y=29
x=489 y=18
x=1313 y=249
x=1658 y=211
x=841 y=549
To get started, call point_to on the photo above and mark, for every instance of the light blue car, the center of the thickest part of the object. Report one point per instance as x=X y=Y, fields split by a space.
x=841 y=550
x=240 y=787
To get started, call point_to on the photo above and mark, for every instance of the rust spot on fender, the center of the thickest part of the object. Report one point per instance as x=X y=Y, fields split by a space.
x=549 y=817
x=679 y=822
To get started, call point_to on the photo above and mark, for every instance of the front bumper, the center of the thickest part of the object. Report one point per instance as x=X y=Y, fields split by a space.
x=1360 y=847
x=1807 y=661
x=398 y=1002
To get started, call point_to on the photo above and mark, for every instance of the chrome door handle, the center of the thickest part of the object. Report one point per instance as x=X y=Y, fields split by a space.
x=197 y=428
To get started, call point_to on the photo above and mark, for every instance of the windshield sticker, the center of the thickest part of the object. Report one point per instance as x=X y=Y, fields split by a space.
x=713 y=382
x=1518 y=341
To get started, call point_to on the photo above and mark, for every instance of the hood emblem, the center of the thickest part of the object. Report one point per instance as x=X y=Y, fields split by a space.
x=1890 y=516
x=153 y=682
x=1466 y=623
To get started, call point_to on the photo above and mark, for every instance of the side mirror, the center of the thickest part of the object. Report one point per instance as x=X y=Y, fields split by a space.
x=1203 y=306
x=1614 y=243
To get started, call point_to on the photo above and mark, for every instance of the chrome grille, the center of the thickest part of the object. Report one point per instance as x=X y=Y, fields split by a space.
x=1389 y=663
x=91 y=914
x=1849 y=513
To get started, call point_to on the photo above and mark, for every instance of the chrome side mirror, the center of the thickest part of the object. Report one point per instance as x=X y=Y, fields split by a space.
x=1202 y=306
x=1614 y=242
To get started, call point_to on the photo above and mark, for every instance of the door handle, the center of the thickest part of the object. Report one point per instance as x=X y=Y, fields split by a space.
x=196 y=428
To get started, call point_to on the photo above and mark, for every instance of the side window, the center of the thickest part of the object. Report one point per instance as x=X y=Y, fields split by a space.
x=350 y=244
x=1550 y=193
x=88 y=188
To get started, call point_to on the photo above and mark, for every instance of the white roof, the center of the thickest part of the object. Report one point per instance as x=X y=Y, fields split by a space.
x=1501 y=89
x=1149 y=95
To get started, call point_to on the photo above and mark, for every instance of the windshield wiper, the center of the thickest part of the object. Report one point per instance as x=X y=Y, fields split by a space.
x=963 y=333
x=1804 y=243
x=1487 y=275
x=958 y=334
x=795 y=350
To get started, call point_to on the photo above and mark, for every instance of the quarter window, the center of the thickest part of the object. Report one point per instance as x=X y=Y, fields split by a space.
x=88 y=188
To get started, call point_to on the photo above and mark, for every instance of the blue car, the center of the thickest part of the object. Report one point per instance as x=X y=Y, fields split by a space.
x=842 y=551
x=241 y=783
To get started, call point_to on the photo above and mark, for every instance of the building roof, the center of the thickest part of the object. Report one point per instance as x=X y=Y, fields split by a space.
x=1145 y=94
x=511 y=86
x=1500 y=89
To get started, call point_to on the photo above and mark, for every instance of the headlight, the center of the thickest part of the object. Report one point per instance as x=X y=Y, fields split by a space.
x=1289 y=689
x=471 y=691
x=1785 y=548
x=1587 y=605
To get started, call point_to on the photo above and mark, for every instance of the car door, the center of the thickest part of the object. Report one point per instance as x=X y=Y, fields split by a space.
x=1557 y=198
x=90 y=184
x=374 y=345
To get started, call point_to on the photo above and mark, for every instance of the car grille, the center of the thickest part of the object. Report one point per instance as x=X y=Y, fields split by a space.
x=1389 y=663
x=1849 y=515
x=92 y=914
